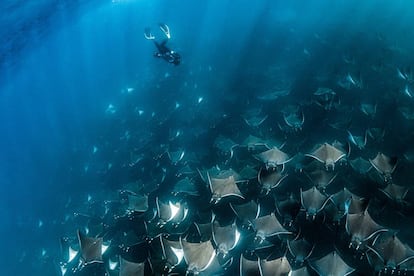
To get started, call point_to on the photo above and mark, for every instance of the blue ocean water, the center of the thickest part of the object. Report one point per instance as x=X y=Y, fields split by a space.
x=75 y=76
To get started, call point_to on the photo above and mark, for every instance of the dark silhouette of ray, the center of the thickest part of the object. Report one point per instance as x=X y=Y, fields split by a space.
x=268 y=226
x=248 y=172
x=92 y=224
x=293 y=117
x=283 y=89
x=357 y=205
x=254 y=120
x=273 y=157
x=360 y=165
x=113 y=267
x=203 y=173
x=249 y=267
x=342 y=123
x=288 y=208
x=225 y=145
x=389 y=253
x=276 y=267
x=300 y=272
x=328 y=155
x=344 y=202
x=361 y=227
x=300 y=249
x=186 y=171
x=134 y=188
x=254 y=143
x=321 y=178
x=406 y=112
x=198 y=256
x=95 y=228
x=369 y=109
x=384 y=165
x=325 y=98
x=191 y=157
x=68 y=251
x=128 y=268
x=173 y=253
x=359 y=141
x=215 y=172
x=409 y=155
x=376 y=134
x=246 y=212
x=313 y=201
x=332 y=264
x=270 y=180
x=138 y=203
x=395 y=192
x=226 y=238
x=171 y=212
x=90 y=248
x=176 y=156
x=129 y=239
x=223 y=187
x=254 y=117
x=154 y=250
x=204 y=229
x=185 y=186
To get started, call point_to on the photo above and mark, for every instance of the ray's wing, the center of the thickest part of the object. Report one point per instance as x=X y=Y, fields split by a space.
x=391 y=251
x=186 y=186
x=128 y=268
x=313 y=201
x=270 y=180
x=198 y=256
x=69 y=253
x=383 y=164
x=321 y=178
x=327 y=153
x=360 y=165
x=226 y=238
x=395 y=192
x=300 y=249
x=362 y=227
x=90 y=248
x=332 y=264
x=246 y=212
x=268 y=226
x=138 y=203
x=248 y=267
x=276 y=267
x=222 y=188
x=172 y=251
x=303 y=271
x=273 y=157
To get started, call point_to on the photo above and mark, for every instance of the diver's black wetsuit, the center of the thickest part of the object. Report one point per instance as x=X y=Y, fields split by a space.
x=167 y=54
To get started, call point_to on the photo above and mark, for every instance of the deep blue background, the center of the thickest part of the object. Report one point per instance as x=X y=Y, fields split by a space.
x=63 y=62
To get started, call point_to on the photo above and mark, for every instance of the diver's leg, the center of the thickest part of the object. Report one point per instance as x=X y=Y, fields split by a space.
x=162 y=48
x=166 y=30
x=164 y=42
x=159 y=47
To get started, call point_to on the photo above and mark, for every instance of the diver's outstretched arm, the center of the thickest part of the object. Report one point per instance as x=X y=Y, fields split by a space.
x=148 y=35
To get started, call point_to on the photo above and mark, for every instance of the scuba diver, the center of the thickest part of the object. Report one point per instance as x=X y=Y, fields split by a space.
x=163 y=51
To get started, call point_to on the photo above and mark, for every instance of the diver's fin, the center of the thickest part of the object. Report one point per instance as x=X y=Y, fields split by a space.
x=166 y=30
x=148 y=35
